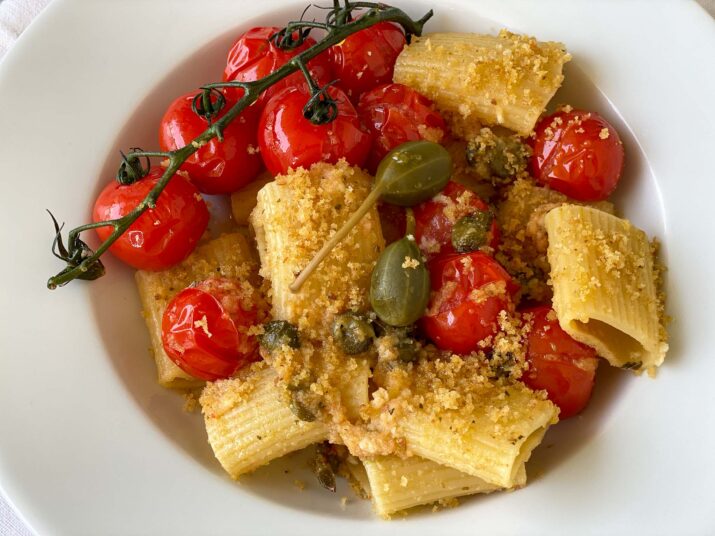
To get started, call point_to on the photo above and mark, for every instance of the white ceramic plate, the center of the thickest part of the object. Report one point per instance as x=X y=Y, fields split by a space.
x=89 y=444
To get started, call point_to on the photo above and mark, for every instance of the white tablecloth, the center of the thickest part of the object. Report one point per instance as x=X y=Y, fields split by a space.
x=15 y=15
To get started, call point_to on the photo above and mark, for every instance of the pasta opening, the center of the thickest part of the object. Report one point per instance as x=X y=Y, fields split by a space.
x=616 y=346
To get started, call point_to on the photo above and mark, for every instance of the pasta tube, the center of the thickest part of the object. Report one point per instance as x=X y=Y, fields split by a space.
x=495 y=80
x=249 y=423
x=604 y=286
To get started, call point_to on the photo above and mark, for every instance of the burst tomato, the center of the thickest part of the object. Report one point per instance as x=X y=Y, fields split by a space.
x=218 y=167
x=468 y=293
x=565 y=368
x=288 y=140
x=396 y=114
x=435 y=218
x=205 y=328
x=162 y=236
x=577 y=153
x=254 y=56
x=367 y=58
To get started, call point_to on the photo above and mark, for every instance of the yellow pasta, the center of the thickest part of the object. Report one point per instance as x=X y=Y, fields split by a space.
x=228 y=255
x=397 y=484
x=495 y=80
x=294 y=216
x=604 y=290
x=249 y=423
x=492 y=441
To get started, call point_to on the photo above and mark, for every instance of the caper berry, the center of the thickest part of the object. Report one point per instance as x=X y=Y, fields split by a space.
x=353 y=332
x=277 y=333
x=400 y=284
x=472 y=231
x=413 y=172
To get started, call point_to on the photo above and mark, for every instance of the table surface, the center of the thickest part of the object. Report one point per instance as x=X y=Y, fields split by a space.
x=11 y=27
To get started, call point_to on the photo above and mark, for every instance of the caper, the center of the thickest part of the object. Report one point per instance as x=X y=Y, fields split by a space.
x=400 y=285
x=472 y=231
x=413 y=172
x=324 y=466
x=299 y=408
x=277 y=333
x=499 y=156
x=407 y=349
x=353 y=332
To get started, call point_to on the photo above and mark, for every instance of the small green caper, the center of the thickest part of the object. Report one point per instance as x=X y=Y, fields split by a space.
x=299 y=408
x=407 y=349
x=472 y=231
x=324 y=466
x=499 y=156
x=277 y=333
x=353 y=332
x=400 y=284
x=413 y=172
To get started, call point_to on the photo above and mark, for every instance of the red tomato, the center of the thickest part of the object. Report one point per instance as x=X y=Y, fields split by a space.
x=367 y=58
x=253 y=56
x=162 y=236
x=435 y=218
x=468 y=293
x=289 y=140
x=393 y=221
x=219 y=167
x=562 y=366
x=396 y=114
x=577 y=153
x=205 y=329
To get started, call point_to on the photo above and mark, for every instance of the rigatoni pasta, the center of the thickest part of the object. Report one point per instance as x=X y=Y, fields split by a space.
x=398 y=484
x=604 y=291
x=502 y=80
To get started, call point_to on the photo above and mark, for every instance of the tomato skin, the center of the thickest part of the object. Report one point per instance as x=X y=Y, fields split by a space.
x=289 y=140
x=162 y=236
x=253 y=56
x=577 y=153
x=218 y=167
x=565 y=368
x=455 y=322
x=434 y=226
x=396 y=114
x=366 y=58
x=204 y=330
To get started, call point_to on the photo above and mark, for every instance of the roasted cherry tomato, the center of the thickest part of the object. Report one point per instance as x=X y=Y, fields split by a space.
x=435 y=219
x=396 y=114
x=254 y=56
x=288 y=140
x=161 y=236
x=565 y=368
x=205 y=328
x=468 y=293
x=367 y=58
x=577 y=153
x=218 y=167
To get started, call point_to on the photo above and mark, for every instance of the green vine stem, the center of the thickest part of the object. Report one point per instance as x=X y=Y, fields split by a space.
x=339 y=23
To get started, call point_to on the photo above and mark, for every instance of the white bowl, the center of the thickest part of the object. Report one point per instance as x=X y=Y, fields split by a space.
x=91 y=444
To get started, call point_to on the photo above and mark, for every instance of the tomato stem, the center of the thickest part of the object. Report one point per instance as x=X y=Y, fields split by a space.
x=83 y=263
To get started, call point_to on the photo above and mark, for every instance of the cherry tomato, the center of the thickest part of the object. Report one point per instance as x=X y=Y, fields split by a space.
x=393 y=221
x=162 y=236
x=254 y=56
x=367 y=58
x=435 y=218
x=288 y=140
x=565 y=368
x=219 y=167
x=577 y=153
x=205 y=329
x=468 y=293
x=396 y=114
